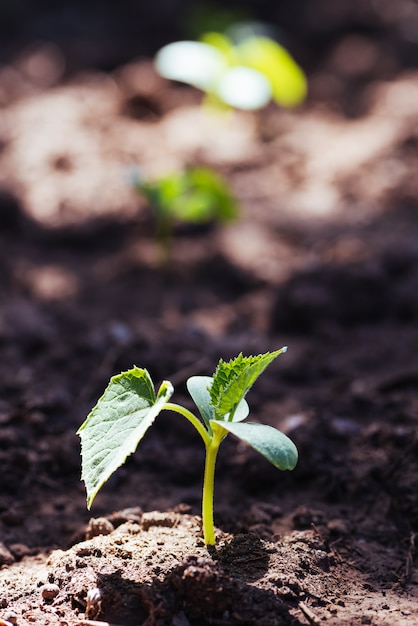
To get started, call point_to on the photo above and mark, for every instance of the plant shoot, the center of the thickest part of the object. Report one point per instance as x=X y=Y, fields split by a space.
x=129 y=406
x=240 y=69
x=196 y=195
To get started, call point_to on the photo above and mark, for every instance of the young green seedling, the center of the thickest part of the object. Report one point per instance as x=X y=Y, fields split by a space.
x=130 y=405
x=240 y=69
x=196 y=195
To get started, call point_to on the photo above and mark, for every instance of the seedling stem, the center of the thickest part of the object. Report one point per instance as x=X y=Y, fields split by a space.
x=170 y=406
x=208 y=490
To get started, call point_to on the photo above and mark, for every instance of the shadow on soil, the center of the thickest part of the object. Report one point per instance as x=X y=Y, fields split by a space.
x=199 y=592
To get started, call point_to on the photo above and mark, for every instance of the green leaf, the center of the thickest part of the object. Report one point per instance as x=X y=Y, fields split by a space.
x=115 y=426
x=241 y=412
x=195 y=195
x=287 y=80
x=243 y=87
x=222 y=43
x=192 y=62
x=274 y=445
x=234 y=379
x=223 y=205
x=199 y=389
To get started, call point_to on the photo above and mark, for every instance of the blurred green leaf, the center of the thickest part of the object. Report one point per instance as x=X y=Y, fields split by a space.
x=223 y=44
x=193 y=62
x=196 y=195
x=287 y=80
x=243 y=75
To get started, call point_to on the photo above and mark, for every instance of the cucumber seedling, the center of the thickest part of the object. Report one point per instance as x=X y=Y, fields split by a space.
x=239 y=69
x=129 y=406
x=195 y=195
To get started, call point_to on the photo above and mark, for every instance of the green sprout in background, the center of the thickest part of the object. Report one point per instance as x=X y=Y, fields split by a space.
x=129 y=406
x=196 y=195
x=240 y=69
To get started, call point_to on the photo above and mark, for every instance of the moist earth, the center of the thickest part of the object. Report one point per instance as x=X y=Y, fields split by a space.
x=323 y=258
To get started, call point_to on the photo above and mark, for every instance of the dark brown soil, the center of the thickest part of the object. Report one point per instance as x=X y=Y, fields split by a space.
x=324 y=259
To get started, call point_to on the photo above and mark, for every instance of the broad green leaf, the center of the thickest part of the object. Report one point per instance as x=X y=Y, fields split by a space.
x=287 y=80
x=274 y=445
x=244 y=88
x=194 y=195
x=222 y=43
x=192 y=62
x=162 y=193
x=233 y=380
x=241 y=412
x=203 y=196
x=199 y=389
x=222 y=202
x=243 y=75
x=115 y=426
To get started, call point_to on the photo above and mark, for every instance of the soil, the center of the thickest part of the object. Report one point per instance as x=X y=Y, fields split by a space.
x=323 y=259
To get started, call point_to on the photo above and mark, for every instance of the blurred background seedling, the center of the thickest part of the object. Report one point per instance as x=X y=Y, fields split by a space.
x=195 y=195
x=243 y=68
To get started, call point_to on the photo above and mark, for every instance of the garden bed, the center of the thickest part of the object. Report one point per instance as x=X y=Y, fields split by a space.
x=323 y=259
